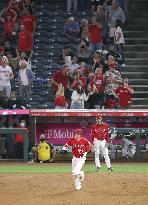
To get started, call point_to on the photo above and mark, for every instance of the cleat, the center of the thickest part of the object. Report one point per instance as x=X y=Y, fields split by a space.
x=78 y=187
x=81 y=176
x=98 y=169
x=110 y=169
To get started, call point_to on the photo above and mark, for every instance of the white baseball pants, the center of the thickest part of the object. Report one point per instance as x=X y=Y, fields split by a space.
x=78 y=175
x=100 y=146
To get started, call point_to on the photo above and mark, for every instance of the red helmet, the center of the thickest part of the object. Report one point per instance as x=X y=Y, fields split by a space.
x=98 y=117
x=79 y=131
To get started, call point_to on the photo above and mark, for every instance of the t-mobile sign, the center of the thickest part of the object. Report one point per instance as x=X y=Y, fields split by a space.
x=58 y=134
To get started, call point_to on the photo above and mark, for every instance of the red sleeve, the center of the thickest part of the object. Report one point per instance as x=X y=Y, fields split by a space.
x=88 y=146
x=68 y=143
x=29 y=35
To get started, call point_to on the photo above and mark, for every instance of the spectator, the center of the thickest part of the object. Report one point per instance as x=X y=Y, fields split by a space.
x=83 y=52
x=99 y=82
x=124 y=93
x=92 y=95
x=73 y=66
x=60 y=102
x=66 y=56
x=116 y=55
x=19 y=139
x=84 y=32
x=128 y=148
x=3 y=100
x=72 y=5
x=95 y=33
x=6 y=75
x=101 y=17
x=9 y=49
x=79 y=80
x=23 y=58
x=44 y=150
x=119 y=40
x=71 y=30
x=96 y=61
x=78 y=97
x=60 y=77
x=25 y=79
x=25 y=40
x=95 y=4
x=114 y=12
x=124 y=5
x=29 y=21
x=30 y=5
x=9 y=29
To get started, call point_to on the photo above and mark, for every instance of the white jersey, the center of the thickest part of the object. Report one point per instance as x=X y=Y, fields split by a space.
x=118 y=31
x=5 y=75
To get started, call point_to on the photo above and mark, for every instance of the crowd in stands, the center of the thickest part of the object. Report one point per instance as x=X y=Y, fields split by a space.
x=91 y=77
x=18 y=21
x=88 y=78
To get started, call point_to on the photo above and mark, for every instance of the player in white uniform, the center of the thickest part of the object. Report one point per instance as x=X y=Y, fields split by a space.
x=80 y=147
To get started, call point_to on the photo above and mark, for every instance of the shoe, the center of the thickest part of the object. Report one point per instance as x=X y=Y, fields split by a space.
x=110 y=169
x=81 y=176
x=98 y=169
x=123 y=65
x=78 y=187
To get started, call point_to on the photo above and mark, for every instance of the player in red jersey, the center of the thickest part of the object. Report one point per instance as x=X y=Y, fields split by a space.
x=100 y=139
x=80 y=147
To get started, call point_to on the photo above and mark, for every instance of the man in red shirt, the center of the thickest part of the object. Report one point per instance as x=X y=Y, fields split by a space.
x=9 y=28
x=95 y=33
x=80 y=147
x=60 y=77
x=100 y=139
x=124 y=93
x=25 y=40
x=28 y=21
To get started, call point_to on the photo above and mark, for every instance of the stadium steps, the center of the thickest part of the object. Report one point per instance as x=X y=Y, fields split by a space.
x=136 y=52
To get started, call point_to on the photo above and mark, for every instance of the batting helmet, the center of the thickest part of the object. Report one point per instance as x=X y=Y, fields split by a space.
x=79 y=131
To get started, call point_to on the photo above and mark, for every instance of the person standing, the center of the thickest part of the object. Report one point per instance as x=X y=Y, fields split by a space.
x=80 y=147
x=100 y=138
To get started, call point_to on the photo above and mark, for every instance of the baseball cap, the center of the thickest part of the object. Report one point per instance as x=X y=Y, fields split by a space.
x=79 y=131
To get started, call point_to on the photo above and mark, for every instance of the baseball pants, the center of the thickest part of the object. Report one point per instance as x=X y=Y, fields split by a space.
x=78 y=175
x=100 y=146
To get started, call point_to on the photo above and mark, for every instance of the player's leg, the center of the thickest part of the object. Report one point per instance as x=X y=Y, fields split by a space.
x=97 y=154
x=104 y=150
x=79 y=175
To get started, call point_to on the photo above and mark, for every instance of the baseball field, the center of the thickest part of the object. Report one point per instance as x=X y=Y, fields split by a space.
x=51 y=184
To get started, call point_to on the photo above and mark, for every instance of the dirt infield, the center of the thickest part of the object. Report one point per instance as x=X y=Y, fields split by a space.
x=58 y=189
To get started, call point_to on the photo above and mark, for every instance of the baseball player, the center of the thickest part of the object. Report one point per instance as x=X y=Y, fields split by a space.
x=128 y=148
x=80 y=147
x=100 y=139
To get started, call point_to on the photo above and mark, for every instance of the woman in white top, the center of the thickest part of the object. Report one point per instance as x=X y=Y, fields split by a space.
x=22 y=58
x=119 y=39
x=77 y=99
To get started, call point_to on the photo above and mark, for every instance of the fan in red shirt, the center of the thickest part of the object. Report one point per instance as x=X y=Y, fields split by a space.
x=100 y=138
x=9 y=28
x=95 y=34
x=60 y=77
x=60 y=101
x=25 y=40
x=28 y=20
x=80 y=147
x=124 y=93
x=79 y=80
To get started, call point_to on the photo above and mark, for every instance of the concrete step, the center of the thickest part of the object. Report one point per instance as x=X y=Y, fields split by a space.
x=136 y=61
x=136 y=68
x=136 y=47
x=142 y=101
x=141 y=94
x=138 y=81
x=135 y=40
x=136 y=27
x=135 y=74
x=137 y=34
x=140 y=88
x=136 y=54
x=139 y=106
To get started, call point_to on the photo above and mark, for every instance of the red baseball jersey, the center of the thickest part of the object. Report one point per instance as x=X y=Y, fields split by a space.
x=100 y=132
x=79 y=147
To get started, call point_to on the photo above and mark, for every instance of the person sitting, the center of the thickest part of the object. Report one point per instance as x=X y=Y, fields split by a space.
x=44 y=151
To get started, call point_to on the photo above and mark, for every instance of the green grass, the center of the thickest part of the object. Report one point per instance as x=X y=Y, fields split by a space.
x=55 y=168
